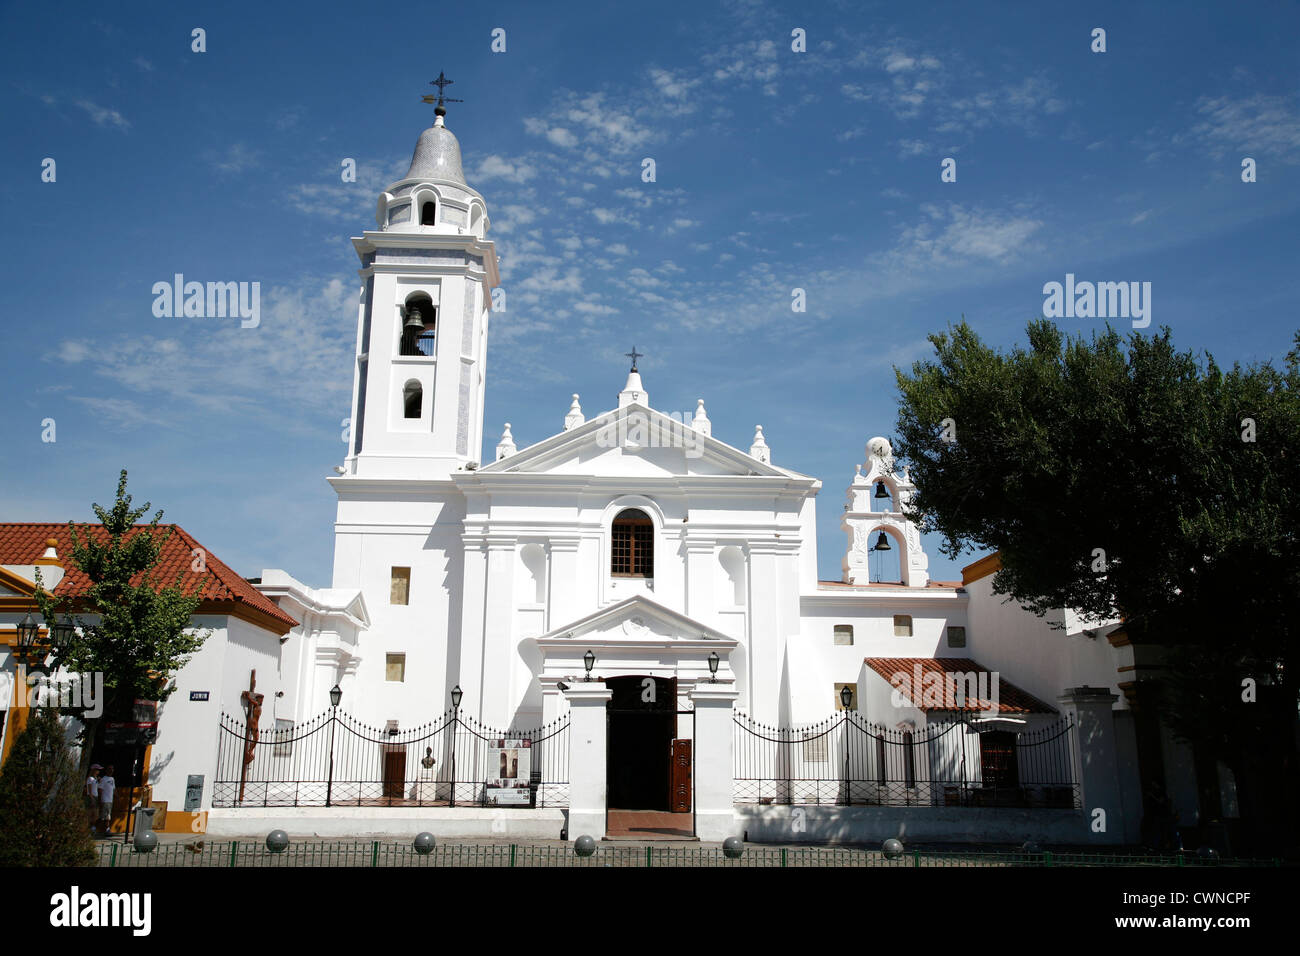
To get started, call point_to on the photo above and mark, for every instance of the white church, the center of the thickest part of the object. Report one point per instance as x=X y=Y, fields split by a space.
x=630 y=560
x=625 y=618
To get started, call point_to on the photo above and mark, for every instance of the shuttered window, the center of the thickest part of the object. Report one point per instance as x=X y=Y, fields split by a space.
x=632 y=549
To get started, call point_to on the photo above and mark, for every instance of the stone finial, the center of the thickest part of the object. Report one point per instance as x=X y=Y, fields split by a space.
x=506 y=446
x=51 y=554
x=701 y=421
x=575 y=417
x=759 y=449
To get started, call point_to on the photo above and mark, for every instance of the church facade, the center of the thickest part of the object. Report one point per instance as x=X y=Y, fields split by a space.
x=630 y=556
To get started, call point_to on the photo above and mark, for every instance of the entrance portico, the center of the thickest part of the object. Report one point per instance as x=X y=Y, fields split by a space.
x=652 y=713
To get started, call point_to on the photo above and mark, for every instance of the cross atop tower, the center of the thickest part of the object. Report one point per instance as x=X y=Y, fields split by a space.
x=634 y=355
x=441 y=83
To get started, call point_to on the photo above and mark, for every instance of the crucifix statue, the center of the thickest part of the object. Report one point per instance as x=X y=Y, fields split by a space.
x=252 y=702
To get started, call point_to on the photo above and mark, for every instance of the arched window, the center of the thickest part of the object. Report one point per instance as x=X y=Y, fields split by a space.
x=412 y=399
x=428 y=213
x=632 y=551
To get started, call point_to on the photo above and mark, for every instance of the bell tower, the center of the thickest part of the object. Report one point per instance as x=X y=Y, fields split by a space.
x=427 y=275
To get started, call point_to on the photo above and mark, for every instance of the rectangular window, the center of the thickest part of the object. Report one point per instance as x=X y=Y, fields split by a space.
x=632 y=547
x=902 y=625
x=395 y=667
x=814 y=747
x=853 y=696
x=283 y=738
x=956 y=637
x=400 y=592
x=843 y=633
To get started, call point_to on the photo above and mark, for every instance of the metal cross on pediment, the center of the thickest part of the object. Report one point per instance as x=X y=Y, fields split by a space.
x=441 y=83
x=634 y=355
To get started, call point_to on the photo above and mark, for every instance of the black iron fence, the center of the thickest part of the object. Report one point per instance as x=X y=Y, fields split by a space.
x=335 y=760
x=959 y=763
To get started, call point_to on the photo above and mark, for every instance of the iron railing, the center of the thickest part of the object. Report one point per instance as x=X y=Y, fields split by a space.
x=336 y=760
x=378 y=853
x=848 y=761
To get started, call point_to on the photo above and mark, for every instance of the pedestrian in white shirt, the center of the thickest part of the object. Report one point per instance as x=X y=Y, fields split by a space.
x=107 y=786
x=91 y=794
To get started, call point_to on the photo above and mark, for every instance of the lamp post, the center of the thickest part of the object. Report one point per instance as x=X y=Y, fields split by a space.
x=336 y=695
x=589 y=661
x=713 y=667
x=846 y=698
x=456 y=695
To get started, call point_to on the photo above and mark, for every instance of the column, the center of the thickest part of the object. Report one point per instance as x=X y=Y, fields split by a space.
x=715 y=811
x=1096 y=764
x=701 y=580
x=498 y=632
x=562 y=576
x=766 y=641
x=587 y=730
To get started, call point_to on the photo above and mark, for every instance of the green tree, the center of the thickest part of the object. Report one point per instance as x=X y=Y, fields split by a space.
x=43 y=821
x=1124 y=478
x=141 y=633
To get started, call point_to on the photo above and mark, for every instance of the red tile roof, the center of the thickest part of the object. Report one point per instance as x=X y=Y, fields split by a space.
x=24 y=543
x=900 y=672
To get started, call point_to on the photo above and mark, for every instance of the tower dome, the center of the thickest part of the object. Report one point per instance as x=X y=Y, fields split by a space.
x=437 y=155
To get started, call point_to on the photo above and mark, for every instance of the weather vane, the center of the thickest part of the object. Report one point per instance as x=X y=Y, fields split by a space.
x=441 y=83
x=634 y=355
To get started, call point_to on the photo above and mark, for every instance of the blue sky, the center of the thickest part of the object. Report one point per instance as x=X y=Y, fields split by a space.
x=775 y=170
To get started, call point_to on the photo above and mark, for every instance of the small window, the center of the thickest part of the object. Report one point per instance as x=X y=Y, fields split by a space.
x=814 y=747
x=428 y=213
x=853 y=696
x=902 y=625
x=283 y=738
x=400 y=592
x=412 y=399
x=632 y=548
x=395 y=667
x=956 y=637
x=843 y=633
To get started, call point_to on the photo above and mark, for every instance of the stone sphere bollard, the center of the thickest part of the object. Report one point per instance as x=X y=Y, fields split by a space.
x=424 y=843
x=1031 y=848
x=892 y=848
x=145 y=841
x=733 y=847
x=1208 y=853
x=277 y=841
x=584 y=845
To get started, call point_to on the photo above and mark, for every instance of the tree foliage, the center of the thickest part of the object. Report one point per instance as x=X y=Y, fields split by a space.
x=1124 y=478
x=141 y=632
x=43 y=820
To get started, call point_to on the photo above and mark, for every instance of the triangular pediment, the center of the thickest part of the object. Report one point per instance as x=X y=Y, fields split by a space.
x=637 y=619
x=634 y=441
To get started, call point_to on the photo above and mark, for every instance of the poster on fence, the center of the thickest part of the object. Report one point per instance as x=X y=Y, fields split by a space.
x=509 y=763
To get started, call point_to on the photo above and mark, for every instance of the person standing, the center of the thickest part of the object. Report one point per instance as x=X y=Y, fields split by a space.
x=107 y=787
x=91 y=795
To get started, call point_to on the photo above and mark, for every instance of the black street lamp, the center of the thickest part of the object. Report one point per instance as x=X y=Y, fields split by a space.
x=336 y=695
x=456 y=695
x=28 y=650
x=713 y=666
x=589 y=661
x=846 y=698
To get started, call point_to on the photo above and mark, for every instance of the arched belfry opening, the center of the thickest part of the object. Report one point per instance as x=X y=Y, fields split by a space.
x=419 y=325
x=428 y=213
